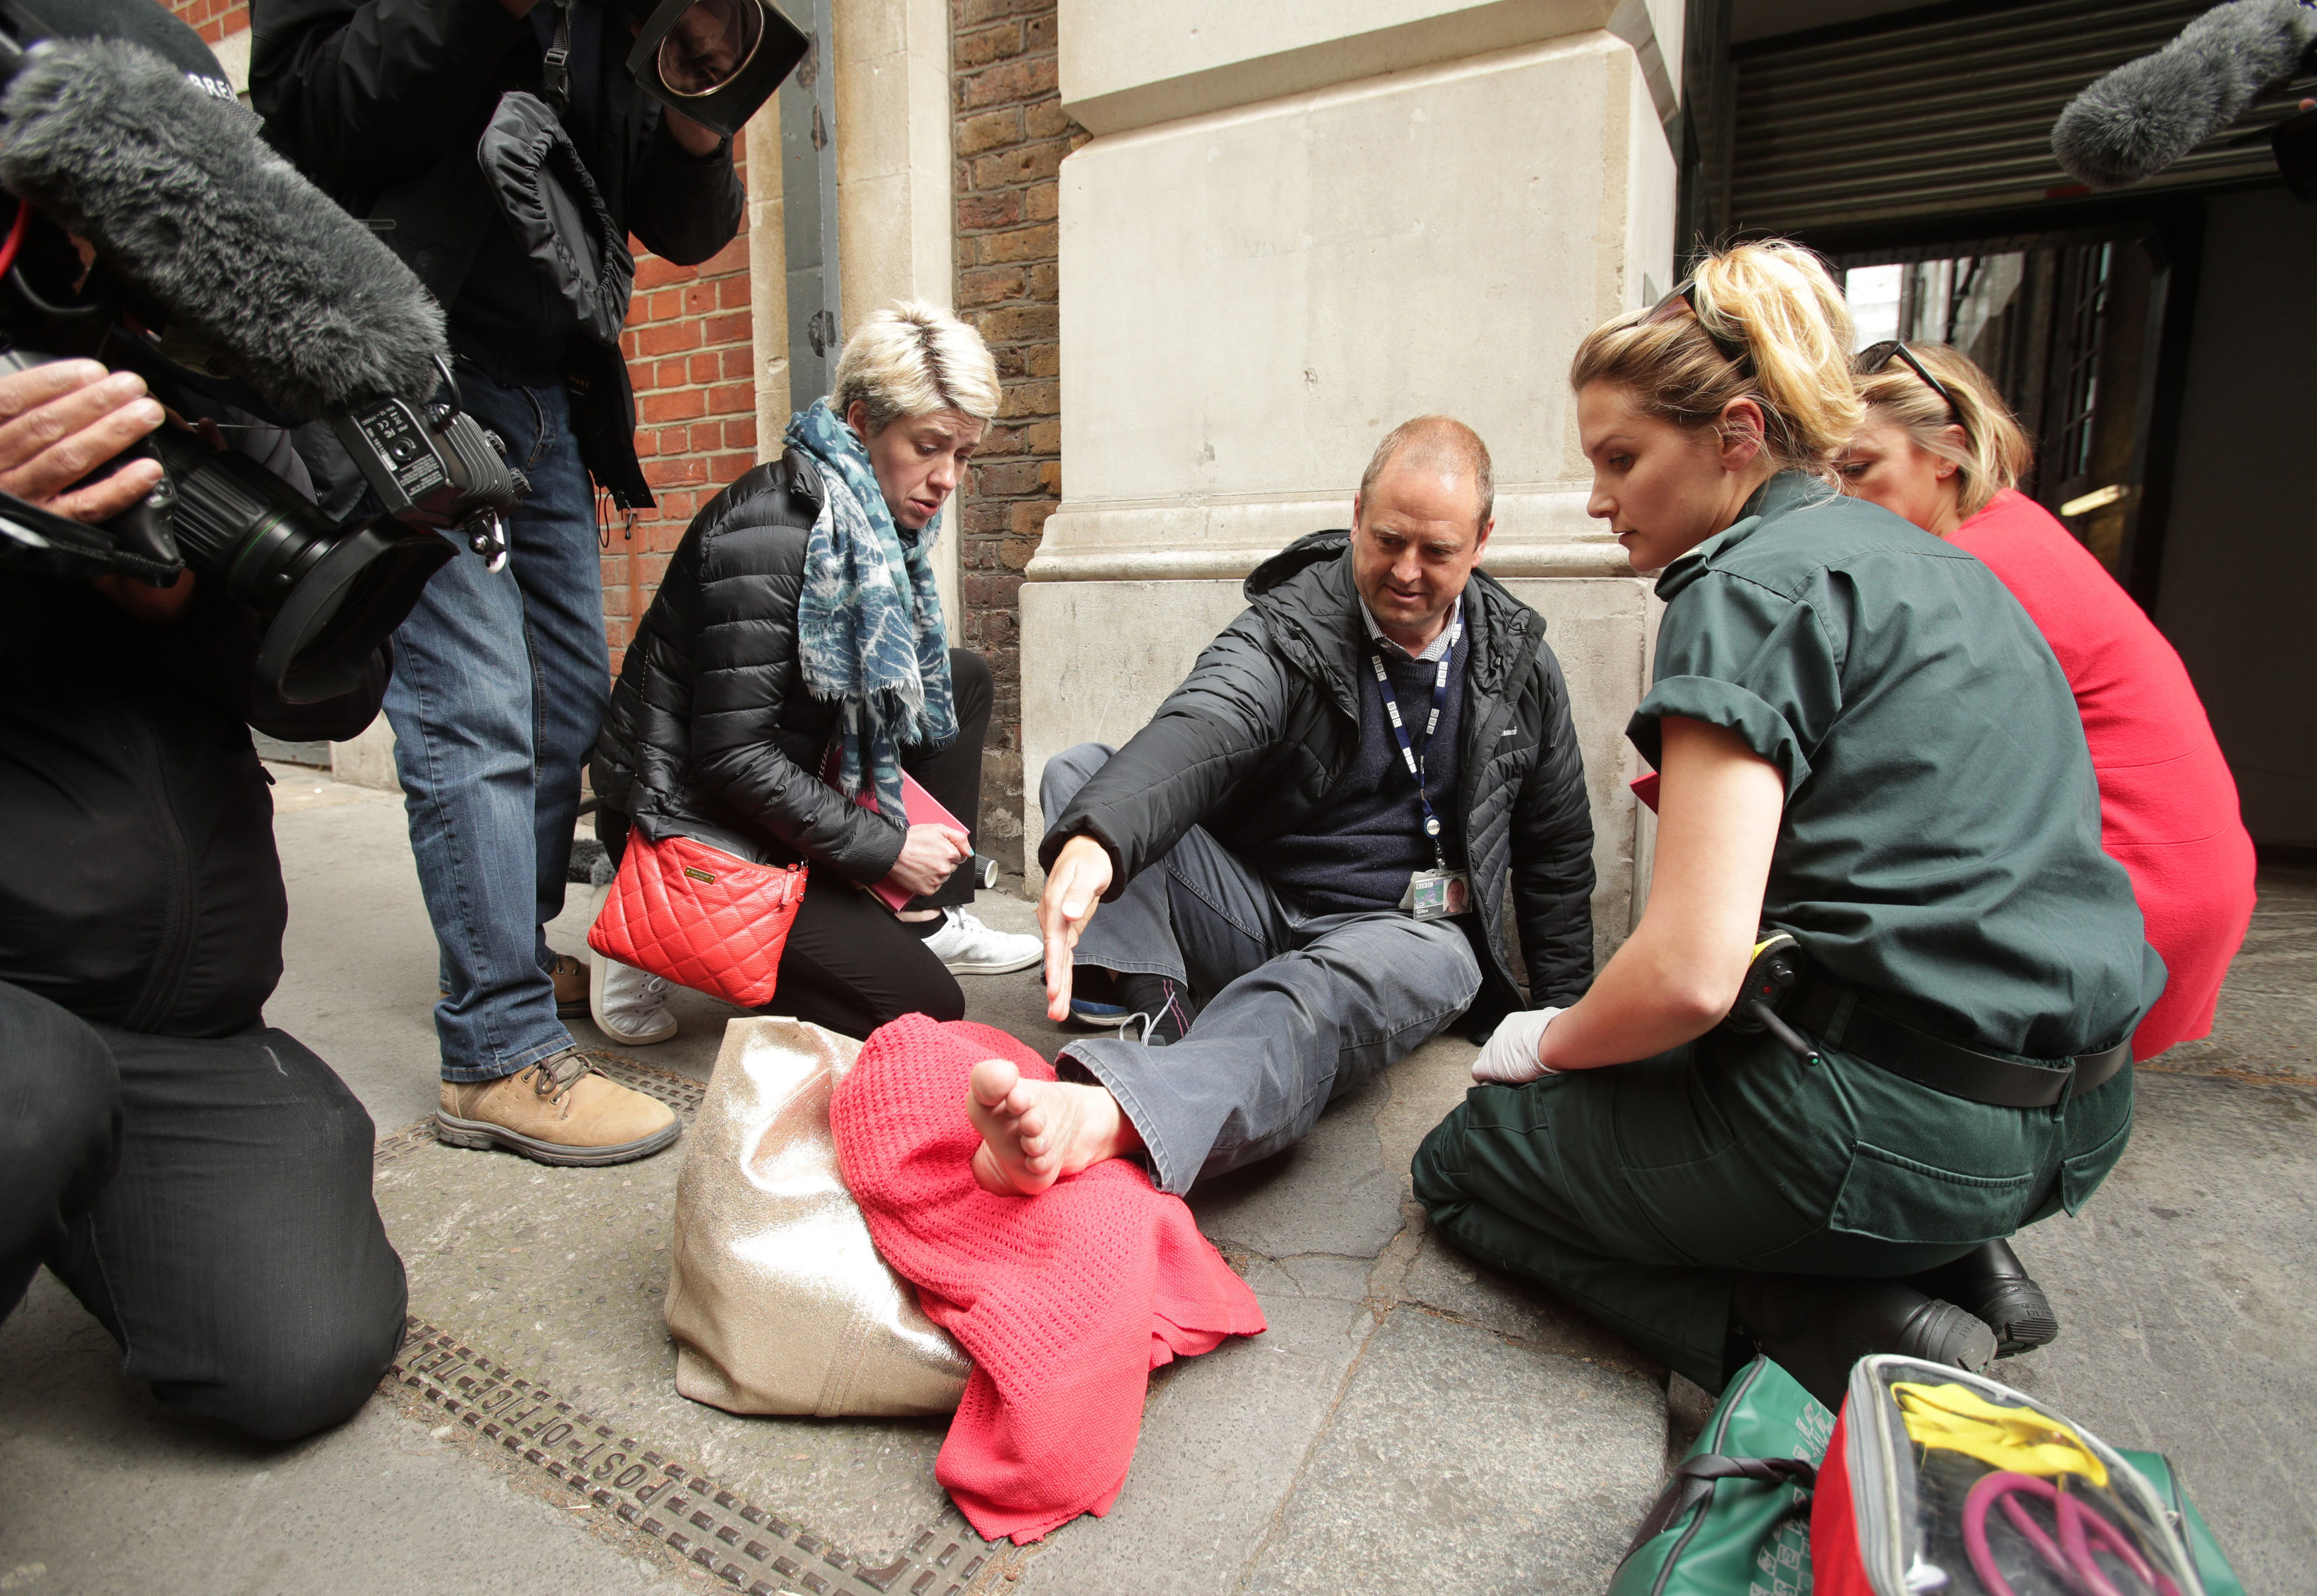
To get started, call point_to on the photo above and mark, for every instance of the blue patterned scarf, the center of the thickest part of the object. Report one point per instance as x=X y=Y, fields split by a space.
x=869 y=621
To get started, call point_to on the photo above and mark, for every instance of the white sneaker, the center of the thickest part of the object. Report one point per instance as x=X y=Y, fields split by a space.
x=627 y=1005
x=969 y=947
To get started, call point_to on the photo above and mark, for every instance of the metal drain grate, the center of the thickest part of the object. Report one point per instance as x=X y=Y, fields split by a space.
x=745 y=1546
x=739 y=1543
x=679 y=1092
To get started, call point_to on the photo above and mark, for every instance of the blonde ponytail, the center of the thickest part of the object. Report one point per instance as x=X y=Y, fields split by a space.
x=1994 y=454
x=1763 y=321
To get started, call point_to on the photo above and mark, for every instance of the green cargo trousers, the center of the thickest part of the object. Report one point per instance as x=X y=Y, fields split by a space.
x=1638 y=1192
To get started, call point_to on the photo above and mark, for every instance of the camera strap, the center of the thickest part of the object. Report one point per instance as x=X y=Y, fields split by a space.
x=555 y=66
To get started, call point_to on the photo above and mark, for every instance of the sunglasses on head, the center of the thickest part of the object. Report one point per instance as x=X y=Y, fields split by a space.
x=1875 y=356
x=1683 y=298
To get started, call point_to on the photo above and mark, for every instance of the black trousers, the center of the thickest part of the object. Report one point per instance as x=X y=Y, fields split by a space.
x=849 y=964
x=209 y=1201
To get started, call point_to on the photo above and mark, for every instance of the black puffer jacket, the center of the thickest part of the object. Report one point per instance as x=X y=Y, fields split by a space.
x=711 y=732
x=1260 y=730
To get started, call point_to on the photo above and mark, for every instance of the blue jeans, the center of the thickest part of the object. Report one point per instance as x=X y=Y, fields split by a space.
x=500 y=683
x=1298 y=1009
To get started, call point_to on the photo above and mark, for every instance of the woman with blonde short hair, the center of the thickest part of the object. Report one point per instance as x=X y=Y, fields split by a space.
x=1939 y=447
x=1862 y=745
x=793 y=666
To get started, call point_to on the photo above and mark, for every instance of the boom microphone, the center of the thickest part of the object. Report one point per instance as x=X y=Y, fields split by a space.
x=2148 y=113
x=193 y=211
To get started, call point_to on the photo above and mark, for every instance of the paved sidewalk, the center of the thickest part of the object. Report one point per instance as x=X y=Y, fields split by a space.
x=1409 y=1421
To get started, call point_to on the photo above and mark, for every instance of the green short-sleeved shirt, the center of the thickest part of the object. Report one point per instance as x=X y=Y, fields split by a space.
x=1941 y=841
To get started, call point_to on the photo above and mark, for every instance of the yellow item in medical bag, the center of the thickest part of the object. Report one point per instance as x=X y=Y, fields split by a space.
x=2019 y=1439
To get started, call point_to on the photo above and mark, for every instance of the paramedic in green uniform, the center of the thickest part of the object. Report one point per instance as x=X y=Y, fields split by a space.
x=1862 y=741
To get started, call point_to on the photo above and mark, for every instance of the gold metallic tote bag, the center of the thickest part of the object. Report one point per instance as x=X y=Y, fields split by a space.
x=778 y=1301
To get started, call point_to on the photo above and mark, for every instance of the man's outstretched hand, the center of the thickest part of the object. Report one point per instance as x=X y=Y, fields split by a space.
x=1073 y=890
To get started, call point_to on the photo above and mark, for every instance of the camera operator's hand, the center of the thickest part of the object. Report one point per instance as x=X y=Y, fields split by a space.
x=60 y=421
x=691 y=137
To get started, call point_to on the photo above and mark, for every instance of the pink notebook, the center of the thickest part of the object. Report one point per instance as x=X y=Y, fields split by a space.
x=924 y=810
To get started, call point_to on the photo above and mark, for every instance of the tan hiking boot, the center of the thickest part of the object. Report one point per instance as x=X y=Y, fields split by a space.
x=570 y=976
x=558 y=1111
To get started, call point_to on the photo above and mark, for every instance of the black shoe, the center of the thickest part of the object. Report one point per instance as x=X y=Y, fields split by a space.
x=1815 y=1327
x=1157 y=1000
x=1991 y=1282
x=1093 y=997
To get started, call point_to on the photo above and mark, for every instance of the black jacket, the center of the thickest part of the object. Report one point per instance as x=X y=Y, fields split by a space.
x=1268 y=719
x=711 y=732
x=140 y=887
x=381 y=103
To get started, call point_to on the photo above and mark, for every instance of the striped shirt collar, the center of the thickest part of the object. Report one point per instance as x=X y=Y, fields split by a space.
x=1437 y=649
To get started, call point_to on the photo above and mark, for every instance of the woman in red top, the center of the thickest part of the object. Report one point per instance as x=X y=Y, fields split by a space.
x=1940 y=448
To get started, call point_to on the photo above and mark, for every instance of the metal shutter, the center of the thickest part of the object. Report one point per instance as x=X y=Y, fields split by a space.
x=1944 y=115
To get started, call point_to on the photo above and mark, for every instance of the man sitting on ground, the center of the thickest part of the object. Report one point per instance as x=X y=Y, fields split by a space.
x=1307 y=850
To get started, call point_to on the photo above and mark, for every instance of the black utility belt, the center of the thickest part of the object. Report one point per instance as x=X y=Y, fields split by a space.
x=1818 y=1003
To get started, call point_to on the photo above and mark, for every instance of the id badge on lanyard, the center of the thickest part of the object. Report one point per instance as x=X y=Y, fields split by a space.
x=1438 y=892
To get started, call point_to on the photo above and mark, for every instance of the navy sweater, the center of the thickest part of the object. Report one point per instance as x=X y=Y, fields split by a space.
x=1367 y=837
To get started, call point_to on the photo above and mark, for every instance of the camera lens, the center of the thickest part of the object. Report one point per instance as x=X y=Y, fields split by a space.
x=711 y=42
x=328 y=594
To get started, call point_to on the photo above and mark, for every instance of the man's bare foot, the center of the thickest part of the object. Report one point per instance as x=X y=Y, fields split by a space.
x=1035 y=1132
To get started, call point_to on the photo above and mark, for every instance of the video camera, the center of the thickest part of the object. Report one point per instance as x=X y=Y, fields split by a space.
x=226 y=280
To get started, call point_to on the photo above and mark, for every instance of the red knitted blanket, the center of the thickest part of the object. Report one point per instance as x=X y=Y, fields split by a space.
x=1066 y=1301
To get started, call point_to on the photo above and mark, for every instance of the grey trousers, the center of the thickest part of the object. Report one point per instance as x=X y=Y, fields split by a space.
x=1297 y=1008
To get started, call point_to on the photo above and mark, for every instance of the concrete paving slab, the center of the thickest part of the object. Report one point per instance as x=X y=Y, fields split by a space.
x=1330 y=1193
x=101 y=1491
x=1444 y=1279
x=1223 y=1439
x=360 y=967
x=2187 y=1324
x=2265 y=1025
x=1457 y=1461
x=561 y=1273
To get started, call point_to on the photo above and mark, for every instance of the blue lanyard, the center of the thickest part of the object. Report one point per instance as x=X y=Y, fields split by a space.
x=1408 y=756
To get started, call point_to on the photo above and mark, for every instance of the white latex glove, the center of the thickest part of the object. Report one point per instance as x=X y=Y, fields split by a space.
x=1510 y=1058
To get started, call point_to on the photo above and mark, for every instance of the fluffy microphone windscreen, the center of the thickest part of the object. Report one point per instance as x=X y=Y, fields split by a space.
x=2148 y=113
x=189 y=206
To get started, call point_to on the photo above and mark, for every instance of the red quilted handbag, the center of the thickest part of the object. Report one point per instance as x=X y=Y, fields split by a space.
x=698 y=917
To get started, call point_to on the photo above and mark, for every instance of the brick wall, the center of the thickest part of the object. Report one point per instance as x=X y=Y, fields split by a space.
x=692 y=358
x=213 y=19
x=1010 y=137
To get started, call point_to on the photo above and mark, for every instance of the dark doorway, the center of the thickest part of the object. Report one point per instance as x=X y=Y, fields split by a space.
x=2075 y=326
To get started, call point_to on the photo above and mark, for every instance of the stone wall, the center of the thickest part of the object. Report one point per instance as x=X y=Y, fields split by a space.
x=1010 y=137
x=1296 y=226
